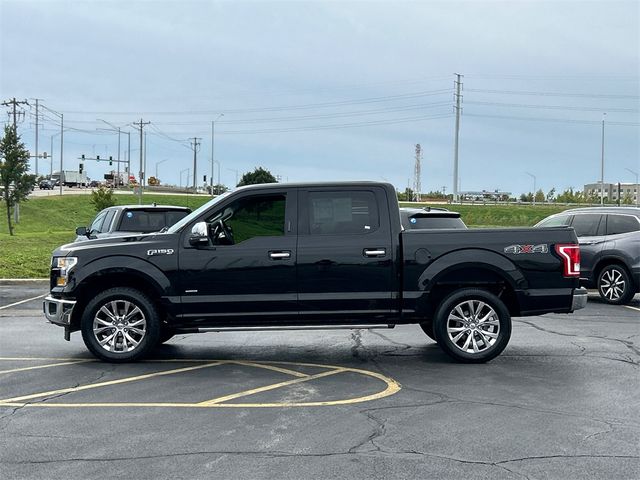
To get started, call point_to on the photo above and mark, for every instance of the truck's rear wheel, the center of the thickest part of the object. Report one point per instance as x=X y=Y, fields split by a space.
x=472 y=326
x=120 y=325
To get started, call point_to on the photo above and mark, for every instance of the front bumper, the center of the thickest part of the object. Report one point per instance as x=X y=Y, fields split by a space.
x=58 y=311
x=579 y=299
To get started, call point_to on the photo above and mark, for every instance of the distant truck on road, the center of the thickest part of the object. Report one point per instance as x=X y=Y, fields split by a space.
x=70 y=178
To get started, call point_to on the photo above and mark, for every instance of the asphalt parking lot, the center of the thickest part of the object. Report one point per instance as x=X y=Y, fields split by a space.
x=562 y=402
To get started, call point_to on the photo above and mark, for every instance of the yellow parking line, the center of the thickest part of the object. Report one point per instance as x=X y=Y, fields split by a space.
x=270 y=367
x=104 y=384
x=266 y=388
x=22 y=369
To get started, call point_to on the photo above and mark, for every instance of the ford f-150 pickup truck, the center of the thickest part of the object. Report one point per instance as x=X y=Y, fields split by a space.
x=311 y=255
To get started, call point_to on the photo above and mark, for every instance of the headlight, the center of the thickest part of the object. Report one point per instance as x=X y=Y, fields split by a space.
x=64 y=265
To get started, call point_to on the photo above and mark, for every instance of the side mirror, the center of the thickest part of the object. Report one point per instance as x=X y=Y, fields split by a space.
x=199 y=234
x=80 y=231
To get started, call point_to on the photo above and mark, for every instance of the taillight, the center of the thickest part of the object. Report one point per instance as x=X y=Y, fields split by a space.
x=570 y=254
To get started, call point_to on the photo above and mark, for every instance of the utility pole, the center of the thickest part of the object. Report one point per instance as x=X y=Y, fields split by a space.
x=213 y=122
x=534 y=186
x=37 y=118
x=458 y=109
x=637 y=186
x=602 y=164
x=140 y=126
x=13 y=103
x=417 y=175
x=128 y=157
x=195 y=144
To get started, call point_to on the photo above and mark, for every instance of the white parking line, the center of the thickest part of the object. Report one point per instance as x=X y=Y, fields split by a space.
x=22 y=301
x=632 y=308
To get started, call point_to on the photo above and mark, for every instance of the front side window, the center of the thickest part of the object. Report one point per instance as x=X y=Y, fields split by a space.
x=107 y=221
x=622 y=224
x=97 y=223
x=332 y=213
x=249 y=217
x=586 y=225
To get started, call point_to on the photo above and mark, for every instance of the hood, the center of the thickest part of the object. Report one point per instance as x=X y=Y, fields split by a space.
x=116 y=242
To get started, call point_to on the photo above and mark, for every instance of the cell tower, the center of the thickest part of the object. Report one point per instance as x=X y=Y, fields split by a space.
x=417 y=175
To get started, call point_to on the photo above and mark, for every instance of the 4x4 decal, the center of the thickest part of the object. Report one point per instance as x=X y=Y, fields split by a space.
x=518 y=249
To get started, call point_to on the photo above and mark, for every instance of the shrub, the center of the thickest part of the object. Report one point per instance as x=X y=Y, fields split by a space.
x=102 y=198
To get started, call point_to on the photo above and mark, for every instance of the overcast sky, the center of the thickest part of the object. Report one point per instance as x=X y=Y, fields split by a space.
x=336 y=90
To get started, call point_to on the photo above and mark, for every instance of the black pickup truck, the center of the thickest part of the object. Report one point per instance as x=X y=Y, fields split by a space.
x=314 y=255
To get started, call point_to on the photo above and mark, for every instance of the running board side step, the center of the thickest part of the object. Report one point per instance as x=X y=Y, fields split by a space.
x=284 y=328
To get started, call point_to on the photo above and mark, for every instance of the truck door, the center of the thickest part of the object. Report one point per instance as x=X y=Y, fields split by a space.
x=246 y=274
x=344 y=254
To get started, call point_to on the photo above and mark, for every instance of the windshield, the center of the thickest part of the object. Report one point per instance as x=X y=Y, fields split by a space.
x=196 y=213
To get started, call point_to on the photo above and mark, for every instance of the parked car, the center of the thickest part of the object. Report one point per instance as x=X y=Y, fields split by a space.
x=47 y=185
x=131 y=220
x=430 y=218
x=310 y=255
x=610 y=248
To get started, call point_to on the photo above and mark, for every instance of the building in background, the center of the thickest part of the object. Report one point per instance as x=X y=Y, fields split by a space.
x=627 y=190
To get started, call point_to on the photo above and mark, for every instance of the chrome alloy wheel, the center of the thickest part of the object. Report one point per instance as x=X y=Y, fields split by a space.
x=612 y=284
x=119 y=326
x=473 y=326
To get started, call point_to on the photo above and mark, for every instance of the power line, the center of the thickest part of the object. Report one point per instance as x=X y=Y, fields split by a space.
x=553 y=94
x=554 y=120
x=555 y=107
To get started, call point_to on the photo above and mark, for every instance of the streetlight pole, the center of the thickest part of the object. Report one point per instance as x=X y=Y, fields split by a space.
x=187 y=178
x=236 y=172
x=213 y=123
x=637 y=187
x=534 y=186
x=602 y=164
x=158 y=163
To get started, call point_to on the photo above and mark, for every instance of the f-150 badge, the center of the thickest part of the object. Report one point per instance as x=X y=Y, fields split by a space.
x=160 y=251
x=518 y=249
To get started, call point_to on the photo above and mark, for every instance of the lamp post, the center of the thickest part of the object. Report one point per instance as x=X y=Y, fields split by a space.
x=158 y=163
x=115 y=129
x=213 y=123
x=602 y=164
x=236 y=172
x=181 y=172
x=534 y=186
x=637 y=187
x=61 y=117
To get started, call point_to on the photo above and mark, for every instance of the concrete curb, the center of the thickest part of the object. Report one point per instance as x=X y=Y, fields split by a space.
x=44 y=282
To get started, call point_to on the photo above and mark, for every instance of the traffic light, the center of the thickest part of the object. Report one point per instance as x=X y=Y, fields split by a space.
x=110 y=160
x=82 y=156
x=44 y=155
x=205 y=179
x=98 y=157
x=81 y=167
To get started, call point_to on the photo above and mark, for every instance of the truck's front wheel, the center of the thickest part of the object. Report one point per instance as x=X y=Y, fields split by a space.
x=472 y=326
x=120 y=325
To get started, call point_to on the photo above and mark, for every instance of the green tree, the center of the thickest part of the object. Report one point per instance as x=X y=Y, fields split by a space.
x=259 y=175
x=15 y=182
x=102 y=198
x=627 y=199
x=539 y=196
x=218 y=189
x=526 y=197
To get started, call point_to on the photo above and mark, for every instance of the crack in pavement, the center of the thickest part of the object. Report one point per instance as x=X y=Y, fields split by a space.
x=630 y=345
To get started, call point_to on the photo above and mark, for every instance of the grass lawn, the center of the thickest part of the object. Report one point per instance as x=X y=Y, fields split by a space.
x=48 y=222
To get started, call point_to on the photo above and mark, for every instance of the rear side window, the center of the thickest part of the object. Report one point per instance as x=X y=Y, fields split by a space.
x=622 y=224
x=559 y=221
x=586 y=225
x=342 y=212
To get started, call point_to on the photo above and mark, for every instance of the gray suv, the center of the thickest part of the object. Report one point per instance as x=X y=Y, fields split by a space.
x=609 y=240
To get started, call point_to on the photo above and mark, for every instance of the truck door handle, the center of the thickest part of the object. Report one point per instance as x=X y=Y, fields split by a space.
x=279 y=255
x=374 y=252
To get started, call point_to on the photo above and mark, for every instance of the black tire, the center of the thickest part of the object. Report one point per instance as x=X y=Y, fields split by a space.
x=483 y=333
x=98 y=321
x=427 y=328
x=615 y=285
